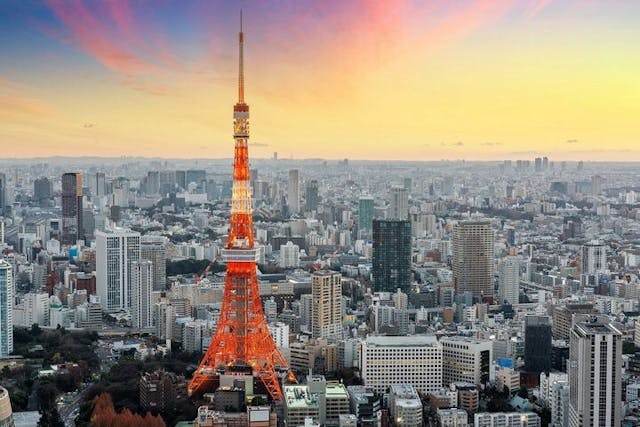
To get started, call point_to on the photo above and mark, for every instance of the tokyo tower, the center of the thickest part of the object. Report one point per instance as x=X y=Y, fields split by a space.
x=242 y=338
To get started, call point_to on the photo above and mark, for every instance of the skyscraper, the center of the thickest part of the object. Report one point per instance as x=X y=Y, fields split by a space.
x=42 y=190
x=593 y=258
x=153 y=183
x=509 y=279
x=596 y=185
x=153 y=248
x=141 y=287
x=537 y=343
x=6 y=308
x=311 y=196
x=116 y=251
x=595 y=370
x=391 y=255
x=365 y=213
x=399 y=208
x=293 y=191
x=473 y=258
x=71 y=208
x=3 y=194
x=326 y=292
x=97 y=184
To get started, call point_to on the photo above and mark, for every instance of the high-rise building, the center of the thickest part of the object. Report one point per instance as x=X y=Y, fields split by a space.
x=414 y=360
x=563 y=318
x=197 y=177
x=141 y=288
x=116 y=251
x=465 y=360
x=181 y=180
x=98 y=184
x=595 y=371
x=311 y=196
x=270 y=307
x=538 y=164
x=596 y=185
x=72 y=229
x=593 y=258
x=153 y=183
x=6 y=414
x=391 y=255
x=6 y=308
x=156 y=391
x=509 y=280
x=399 y=208
x=42 y=190
x=473 y=258
x=326 y=292
x=365 y=213
x=293 y=191
x=153 y=249
x=537 y=343
x=3 y=194
x=289 y=255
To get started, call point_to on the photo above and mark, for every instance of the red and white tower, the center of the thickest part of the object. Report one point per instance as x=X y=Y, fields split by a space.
x=242 y=337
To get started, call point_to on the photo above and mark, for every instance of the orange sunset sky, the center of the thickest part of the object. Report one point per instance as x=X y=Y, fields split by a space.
x=419 y=80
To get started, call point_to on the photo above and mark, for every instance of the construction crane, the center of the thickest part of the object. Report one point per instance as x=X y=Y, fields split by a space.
x=198 y=277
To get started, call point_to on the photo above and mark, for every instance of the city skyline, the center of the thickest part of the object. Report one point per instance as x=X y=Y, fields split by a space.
x=478 y=80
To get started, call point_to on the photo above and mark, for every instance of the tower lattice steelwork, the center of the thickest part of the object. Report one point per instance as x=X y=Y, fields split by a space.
x=242 y=337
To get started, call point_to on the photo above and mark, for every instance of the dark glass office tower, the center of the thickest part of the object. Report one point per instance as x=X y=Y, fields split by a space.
x=537 y=344
x=391 y=255
x=71 y=208
x=311 y=196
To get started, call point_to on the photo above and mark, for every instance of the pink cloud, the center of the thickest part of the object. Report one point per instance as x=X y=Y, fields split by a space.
x=16 y=100
x=465 y=19
x=536 y=6
x=111 y=45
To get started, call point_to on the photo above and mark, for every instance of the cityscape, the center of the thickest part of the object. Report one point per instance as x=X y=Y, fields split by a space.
x=145 y=284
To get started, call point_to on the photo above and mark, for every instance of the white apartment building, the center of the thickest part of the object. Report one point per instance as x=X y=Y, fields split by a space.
x=507 y=419
x=509 y=280
x=289 y=255
x=116 y=250
x=141 y=288
x=595 y=370
x=453 y=417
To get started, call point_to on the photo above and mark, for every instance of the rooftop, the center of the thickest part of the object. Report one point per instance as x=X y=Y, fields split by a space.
x=298 y=397
x=402 y=341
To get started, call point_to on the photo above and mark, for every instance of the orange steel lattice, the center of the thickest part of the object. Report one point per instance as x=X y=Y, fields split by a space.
x=242 y=337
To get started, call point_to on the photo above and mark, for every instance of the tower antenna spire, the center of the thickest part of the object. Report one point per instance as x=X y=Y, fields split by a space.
x=241 y=64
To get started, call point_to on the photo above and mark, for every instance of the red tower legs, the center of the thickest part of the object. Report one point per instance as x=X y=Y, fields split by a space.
x=242 y=336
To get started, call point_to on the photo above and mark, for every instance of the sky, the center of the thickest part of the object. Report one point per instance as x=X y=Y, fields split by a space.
x=358 y=79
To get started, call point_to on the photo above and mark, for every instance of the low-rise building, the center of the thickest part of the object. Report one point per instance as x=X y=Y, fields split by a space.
x=506 y=419
x=405 y=406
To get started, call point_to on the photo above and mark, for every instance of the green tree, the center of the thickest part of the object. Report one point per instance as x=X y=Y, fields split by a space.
x=50 y=418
